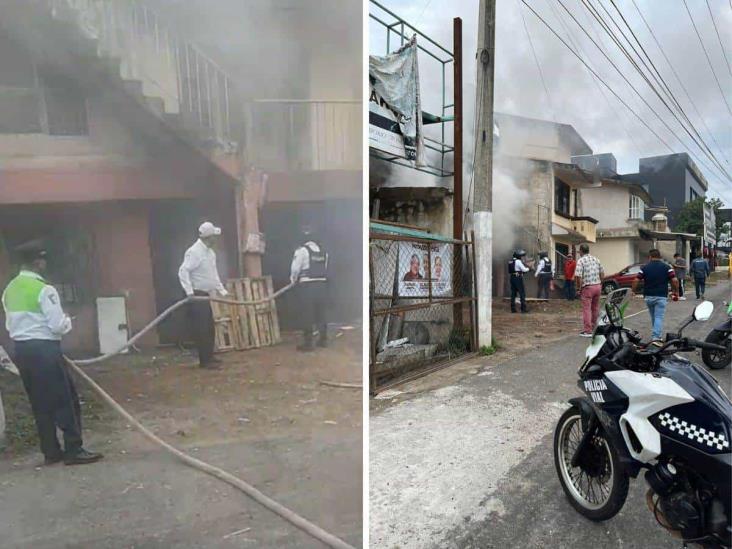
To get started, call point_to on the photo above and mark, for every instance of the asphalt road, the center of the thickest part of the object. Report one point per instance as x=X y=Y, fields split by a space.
x=150 y=501
x=470 y=465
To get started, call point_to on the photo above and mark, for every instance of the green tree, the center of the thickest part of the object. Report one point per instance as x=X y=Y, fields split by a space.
x=691 y=216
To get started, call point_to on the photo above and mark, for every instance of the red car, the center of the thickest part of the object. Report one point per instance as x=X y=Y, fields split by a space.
x=622 y=279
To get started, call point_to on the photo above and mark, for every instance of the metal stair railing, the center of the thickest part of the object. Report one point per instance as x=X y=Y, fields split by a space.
x=189 y=82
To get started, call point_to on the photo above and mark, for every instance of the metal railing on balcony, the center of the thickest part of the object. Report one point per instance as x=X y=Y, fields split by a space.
x=189 y=82
x=304 y=135
x=437 y=135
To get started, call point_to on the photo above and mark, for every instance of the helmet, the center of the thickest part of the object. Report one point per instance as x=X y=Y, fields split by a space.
x=518 y=254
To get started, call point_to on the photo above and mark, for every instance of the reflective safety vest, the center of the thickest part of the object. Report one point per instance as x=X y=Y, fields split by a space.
x=25 y=318
x=317 y=265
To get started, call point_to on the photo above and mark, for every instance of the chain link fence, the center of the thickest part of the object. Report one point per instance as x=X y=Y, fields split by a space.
x=422 y=305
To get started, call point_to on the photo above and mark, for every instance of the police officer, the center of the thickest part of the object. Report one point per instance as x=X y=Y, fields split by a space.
x=309 y=270
x=544 y=275
x=516 y=270
x=36 y=323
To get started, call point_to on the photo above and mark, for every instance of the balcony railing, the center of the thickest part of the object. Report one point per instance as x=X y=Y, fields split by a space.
x=304 y=135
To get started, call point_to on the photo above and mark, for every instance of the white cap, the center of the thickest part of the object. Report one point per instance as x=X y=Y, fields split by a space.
x=208 y=229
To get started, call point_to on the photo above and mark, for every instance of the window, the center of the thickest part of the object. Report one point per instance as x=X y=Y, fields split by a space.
x=693 y=195
x=637 y=208
x=65 y=105
x=561 y=198
x=35 y=99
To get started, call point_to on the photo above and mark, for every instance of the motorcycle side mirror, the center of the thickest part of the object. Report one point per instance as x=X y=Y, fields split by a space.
x=703 y=311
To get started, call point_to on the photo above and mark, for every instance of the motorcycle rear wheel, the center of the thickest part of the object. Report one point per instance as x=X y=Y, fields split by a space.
x=597 y=493
x=716 y=360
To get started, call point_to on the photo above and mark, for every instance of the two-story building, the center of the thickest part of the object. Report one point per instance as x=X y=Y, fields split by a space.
x=118 y=136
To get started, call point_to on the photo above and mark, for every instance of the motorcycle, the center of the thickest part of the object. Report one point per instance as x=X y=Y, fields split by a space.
x=648 y=408
x=720 y=335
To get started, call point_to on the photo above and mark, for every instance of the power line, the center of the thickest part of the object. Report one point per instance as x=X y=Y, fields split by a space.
x=714 y=73
x=599 y=18
x=538 y=65
x=578 y=47
x=661 y=139
x=665 y=86
x=678 y=78
x=721 y=45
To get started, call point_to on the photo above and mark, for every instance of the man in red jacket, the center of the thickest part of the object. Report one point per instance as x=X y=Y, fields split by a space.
x=569 y=288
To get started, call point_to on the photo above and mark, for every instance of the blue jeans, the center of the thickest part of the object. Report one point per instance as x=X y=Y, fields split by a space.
x=657 y=307
x=700 y=284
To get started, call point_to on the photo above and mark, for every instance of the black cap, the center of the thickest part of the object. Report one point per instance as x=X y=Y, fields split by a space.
x=28 y=253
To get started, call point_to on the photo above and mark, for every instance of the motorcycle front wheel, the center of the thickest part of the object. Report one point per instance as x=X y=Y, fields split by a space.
x=598 y=486
x=716 y=360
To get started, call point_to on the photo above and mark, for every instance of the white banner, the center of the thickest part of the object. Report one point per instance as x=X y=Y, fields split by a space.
x=395 y=107
x=710 y=226
x=418 y=267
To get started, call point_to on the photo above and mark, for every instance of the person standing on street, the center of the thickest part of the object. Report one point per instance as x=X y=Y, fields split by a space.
x=700 y=271
x=569 y=289
x=36 y=323
x=516 y=270
x=656 y=275
x=588 y=276
x=199 y=276
x=544 y=275
x=680 y=271
x=309 y=270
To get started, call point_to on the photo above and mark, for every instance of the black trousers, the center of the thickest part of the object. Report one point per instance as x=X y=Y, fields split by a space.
x=313 y=303
x=544 y=279
x=517 y=287
x=203 y=328
x=52 y=394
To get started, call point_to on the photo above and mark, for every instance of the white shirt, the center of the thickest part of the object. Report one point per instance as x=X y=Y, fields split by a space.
x=540 y=268
x=301 y=262
x=520 y=267
x=49 y=324
x=198 y=271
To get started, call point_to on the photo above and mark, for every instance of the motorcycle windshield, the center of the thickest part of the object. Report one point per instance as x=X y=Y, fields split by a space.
x=613 y=308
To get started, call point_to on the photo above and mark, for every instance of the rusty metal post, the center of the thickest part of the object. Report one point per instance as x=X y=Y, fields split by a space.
x=457 y=196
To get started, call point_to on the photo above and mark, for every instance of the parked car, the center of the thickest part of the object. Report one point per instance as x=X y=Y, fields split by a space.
x=622 y=279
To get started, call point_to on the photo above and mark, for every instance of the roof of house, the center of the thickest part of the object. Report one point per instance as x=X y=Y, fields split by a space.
x=567 y=132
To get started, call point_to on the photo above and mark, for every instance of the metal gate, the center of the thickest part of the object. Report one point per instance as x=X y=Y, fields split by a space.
x=422 y=304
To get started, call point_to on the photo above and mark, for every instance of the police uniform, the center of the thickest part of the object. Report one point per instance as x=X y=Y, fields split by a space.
x=516 y=270
x=544 y=275
x=36 y=323
x=309 y=270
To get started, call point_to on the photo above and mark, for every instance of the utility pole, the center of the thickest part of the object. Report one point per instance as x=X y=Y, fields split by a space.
x=483 y=166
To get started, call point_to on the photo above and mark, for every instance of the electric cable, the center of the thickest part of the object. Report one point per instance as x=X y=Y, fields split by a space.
x=609 y=31
x=706 y=54
x=678 y=78
x=538 y=65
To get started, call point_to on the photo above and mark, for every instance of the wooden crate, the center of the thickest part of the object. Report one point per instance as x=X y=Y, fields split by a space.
x=247 y=326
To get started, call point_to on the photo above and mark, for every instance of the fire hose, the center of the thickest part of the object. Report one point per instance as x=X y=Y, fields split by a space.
x=290 y=516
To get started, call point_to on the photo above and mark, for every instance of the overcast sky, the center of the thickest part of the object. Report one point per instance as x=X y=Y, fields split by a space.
x=574 y=97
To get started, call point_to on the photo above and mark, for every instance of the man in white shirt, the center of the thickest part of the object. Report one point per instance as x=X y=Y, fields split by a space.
x=199 y=276
x=309 y=269
x=36 y=323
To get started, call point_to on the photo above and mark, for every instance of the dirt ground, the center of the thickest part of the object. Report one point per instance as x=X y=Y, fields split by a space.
x=258 y=394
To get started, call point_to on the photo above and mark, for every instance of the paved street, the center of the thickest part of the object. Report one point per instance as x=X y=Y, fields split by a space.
x=469 y=464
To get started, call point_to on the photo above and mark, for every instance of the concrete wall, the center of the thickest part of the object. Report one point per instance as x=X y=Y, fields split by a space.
x=538 y=139
x=615 y=253
x=608 y=204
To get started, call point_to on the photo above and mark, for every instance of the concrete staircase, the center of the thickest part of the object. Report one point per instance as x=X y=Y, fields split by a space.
x=169 y=76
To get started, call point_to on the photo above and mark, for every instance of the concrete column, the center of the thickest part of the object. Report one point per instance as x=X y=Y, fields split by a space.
x=250 y=198
x=483 y=223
